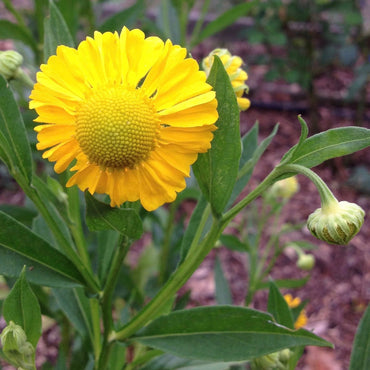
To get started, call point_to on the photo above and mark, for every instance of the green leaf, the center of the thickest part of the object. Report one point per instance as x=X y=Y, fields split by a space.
x=22 y=307
x=278 y=307
x=13 y=138
x=56 y=32
x=217 y=170
x=302 y=138
x=224 y=20
x=222 y=333
x=233 y=243
x=192 y=227
x=127 y=17
x=9 y=30
x=329 y=144
x=75 y=305
x=21 y=214
x=250 y=156
x=101 y=216
x=360 y=356
x=170 y=362
x=19 y=246
x=285 y=283
x=223 y=293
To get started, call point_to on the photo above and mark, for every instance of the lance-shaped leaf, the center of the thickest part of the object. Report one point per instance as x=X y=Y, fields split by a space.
x=329 y=144
x=14 y=147
x=56 y=32
x=19 y=246
x=101 y=216
x=22 y=307
x=217 y=170
x=360 y=357
x=222 y=333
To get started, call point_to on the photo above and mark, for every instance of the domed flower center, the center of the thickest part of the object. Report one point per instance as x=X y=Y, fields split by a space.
x=117 y=127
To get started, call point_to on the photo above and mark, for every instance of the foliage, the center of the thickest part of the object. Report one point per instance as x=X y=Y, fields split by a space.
x=63 y=255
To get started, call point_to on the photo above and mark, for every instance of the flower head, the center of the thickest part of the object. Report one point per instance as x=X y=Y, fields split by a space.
x=336 y=222
x=306 y=261
x=293 y=303
x=133 y=112
x=237 y=75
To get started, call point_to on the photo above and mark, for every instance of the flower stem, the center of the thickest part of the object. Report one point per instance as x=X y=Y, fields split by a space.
x=174 y=283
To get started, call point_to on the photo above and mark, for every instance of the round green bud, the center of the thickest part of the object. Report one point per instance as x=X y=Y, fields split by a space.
x=285 y=188
x=268 y=362
x=336 y=222
x=10 y=62
x=17 y=350
x=306 y=261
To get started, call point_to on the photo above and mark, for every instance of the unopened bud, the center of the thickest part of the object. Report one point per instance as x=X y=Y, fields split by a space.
x=285 y=188
x=16 y=348
x=337 y=222
x=268 y=362
x=306 y=261
x=10 y=62
x=237 y=75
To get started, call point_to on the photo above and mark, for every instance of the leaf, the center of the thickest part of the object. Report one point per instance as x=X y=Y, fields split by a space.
x=127 y=17
x=285 y=283
x=278 y=307
x=223 y=293
x=302 y=138
x=10 y=30
x=233 y=243
x=222 y=333
x=22 y=307
x=192 y=227
x=224 y=20
x=75 y=305
x=15 y=149
x=101 y=216
x=19 y=246
x=21 y=214
x=360 y=356
x=329 y=144
x=56 y=32
x=170 y=362
x=217 y=170
x=250 y=158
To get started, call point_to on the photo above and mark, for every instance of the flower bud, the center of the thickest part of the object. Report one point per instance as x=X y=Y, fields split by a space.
x=16 y=349
x=10 y=62
x=285 y=188
x=336 y=222
x=236 y=74
x=267 y=362
x=306 y=261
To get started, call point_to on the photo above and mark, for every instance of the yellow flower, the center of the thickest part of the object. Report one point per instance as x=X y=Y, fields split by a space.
x=238 y=76
x=295 y=302
x=133 y=111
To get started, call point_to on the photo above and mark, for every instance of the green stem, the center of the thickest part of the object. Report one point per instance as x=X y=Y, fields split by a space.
x=106 y=301
x=165 y=250
x=76 y=224
x=174 y=283
x=17 y=16
x=58 y=233
x=94 y=309
x=326 y=195
x=199 y=24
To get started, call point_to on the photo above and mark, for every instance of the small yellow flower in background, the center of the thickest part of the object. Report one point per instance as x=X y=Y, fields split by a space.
x=133 y=111
x=238 y=76
x=295 y=302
